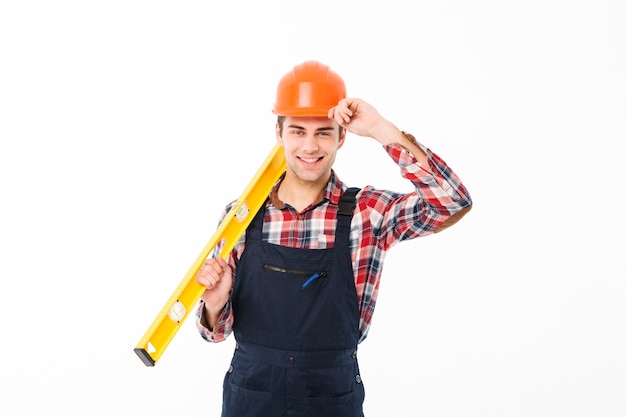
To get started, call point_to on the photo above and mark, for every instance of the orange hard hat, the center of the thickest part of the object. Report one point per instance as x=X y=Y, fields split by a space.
x=309 y=89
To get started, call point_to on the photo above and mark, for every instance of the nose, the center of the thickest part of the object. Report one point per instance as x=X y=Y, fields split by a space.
x=310 y=144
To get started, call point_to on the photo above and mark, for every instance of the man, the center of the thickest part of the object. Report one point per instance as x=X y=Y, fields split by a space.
x=299 y=289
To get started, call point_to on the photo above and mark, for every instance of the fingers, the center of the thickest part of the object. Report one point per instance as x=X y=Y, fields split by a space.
x=342 y=112
x=212 y=272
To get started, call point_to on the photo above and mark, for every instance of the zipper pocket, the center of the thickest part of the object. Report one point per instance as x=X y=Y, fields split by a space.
x=311 y=275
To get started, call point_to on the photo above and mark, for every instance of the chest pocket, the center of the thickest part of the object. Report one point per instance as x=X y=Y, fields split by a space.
x=307 y=276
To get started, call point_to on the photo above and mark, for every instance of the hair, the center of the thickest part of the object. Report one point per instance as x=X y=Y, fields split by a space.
x=281 y=119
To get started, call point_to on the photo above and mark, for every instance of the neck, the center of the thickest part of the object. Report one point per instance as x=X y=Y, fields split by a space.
x=300 y=194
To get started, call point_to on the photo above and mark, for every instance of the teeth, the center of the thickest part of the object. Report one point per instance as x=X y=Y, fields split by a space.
x=309 y=159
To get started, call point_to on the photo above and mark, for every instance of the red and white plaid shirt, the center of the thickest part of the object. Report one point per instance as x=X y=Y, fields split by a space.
x=381 y=219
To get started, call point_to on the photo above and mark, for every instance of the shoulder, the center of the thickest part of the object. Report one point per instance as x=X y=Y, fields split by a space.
x=372 y=197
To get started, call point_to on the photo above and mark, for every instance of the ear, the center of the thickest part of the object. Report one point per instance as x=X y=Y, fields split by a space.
x=279 y=138
x=342 y=138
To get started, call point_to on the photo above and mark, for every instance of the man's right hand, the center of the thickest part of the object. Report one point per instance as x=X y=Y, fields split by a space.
x=217 y=277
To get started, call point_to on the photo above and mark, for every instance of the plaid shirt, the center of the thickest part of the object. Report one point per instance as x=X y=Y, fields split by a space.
x=381 y=219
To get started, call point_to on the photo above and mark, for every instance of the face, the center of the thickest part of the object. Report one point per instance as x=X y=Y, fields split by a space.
x=310 y=145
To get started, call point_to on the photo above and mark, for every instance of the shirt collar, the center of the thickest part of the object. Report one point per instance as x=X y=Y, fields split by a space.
x=331 y=193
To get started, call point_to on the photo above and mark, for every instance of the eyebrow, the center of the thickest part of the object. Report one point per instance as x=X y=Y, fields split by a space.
x=320 y=129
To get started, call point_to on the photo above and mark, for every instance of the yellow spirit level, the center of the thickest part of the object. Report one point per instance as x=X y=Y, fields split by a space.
x=186 y=295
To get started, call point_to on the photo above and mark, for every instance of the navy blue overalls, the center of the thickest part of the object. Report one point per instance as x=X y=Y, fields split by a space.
x=297 y=329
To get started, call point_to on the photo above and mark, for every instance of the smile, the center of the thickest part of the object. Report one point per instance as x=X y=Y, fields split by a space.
x=310 y=160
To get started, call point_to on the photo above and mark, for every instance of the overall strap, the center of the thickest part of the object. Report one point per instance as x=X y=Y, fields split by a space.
x=254 y=232
x=347 y=204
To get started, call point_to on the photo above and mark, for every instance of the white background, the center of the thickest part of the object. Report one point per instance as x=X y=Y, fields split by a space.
x=126 y=126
